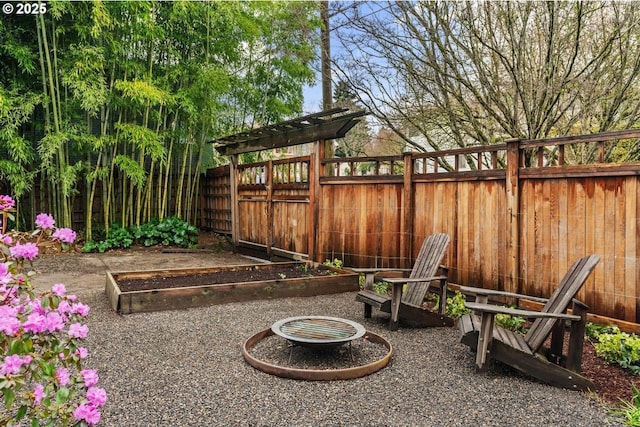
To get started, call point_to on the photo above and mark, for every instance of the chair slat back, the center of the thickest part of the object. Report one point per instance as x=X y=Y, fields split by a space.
x=429 y=258
x=560 y=300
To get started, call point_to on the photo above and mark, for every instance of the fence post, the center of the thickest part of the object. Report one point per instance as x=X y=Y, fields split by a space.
x=512 y=189
x=269 y=207
x=233 y=185
x=406 y=220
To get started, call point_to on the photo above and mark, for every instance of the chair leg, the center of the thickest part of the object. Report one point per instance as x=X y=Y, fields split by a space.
x=367 y=311
x=576 y=338
x=442 y=309
x=484 y=341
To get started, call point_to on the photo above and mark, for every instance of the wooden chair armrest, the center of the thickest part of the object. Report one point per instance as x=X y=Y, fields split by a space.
x=377 y=270
x=496 y=309
x=370 y=274
x=393 y=280
x=491 y=292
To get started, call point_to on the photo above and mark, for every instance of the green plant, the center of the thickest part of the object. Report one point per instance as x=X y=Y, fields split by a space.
x=620 y=348
x=593 y=330
x=337 y=263
x=169 y=231
x=629 y=410
x=455 y=305
x=118 y=238
x=513 y=323
x=381 y=288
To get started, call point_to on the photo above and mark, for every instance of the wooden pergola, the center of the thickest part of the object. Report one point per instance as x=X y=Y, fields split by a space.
x=318 y=128
x=323 y=126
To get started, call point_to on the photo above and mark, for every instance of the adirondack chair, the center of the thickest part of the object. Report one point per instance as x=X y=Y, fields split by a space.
x=527 y=353
x=408 y=304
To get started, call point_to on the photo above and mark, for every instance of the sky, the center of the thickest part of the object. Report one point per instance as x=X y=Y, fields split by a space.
x=312 y=98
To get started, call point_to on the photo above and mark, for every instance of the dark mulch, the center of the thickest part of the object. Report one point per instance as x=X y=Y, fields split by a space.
x=613 y=382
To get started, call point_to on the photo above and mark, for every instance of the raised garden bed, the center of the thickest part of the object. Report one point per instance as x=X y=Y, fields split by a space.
x=156 y=290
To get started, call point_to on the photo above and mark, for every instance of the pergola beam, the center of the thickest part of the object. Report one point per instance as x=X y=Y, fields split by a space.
x=302 y=130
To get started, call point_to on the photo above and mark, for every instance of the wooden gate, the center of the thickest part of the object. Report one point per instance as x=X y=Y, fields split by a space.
x=275 y=213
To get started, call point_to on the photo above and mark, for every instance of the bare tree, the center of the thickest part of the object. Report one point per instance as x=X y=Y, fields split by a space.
x=355 y=141
x=470 y=73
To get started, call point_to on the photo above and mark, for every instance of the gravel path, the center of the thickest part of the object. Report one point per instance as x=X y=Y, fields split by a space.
x=185 y=368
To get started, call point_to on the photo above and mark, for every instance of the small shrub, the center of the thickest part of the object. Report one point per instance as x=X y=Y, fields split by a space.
x=513 y=323
x=336 y=263
x=170 y=231
x=381 y=288
x=593 y=330
x=455 y=305
x=620 y=348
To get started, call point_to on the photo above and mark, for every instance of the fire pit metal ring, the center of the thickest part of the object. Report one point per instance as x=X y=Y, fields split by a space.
x=318 y=331
x=316 y=374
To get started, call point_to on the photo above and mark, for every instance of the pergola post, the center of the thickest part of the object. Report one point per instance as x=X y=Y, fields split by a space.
x=512 y=189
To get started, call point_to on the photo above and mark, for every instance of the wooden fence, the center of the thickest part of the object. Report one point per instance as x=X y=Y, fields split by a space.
x=518 y=213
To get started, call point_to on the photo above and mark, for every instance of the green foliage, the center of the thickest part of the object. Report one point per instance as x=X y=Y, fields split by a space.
x=119 y=238
x=629 y=411
x=129 y=93
x=171 y=231
x=382 y=287
x=618 y=347
x=513 y=323
x=592 y=330
x=336 y=263
x=455 y=305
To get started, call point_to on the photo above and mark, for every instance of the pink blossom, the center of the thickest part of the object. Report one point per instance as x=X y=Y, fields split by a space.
x=54 y=322
x=97 y=396
x=65 y=235
x=87 y=413
x=24 y=251
x=62 y=375
x=90 y=377
x=81 y=309
x=6 y=202
x=11 y=365
x=7 y=240
x=59 y=289
x=64 y=307
x=45 y=221
x=77 y=330
x=9 y=323
x=35 y=323
x=82 y=352
x=5 y=275
x=38 y=393
x=36 y=307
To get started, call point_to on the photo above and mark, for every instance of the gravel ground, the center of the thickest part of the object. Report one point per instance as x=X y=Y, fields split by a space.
x=185 y=368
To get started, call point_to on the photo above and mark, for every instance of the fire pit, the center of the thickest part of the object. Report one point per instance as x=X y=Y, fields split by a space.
x=317 y=332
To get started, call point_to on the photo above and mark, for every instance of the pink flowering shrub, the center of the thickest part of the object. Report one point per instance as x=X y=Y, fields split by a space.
x=45 y=228
x=45 y=221
x=42 y=380
x=6 y=206
x=64 y=235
